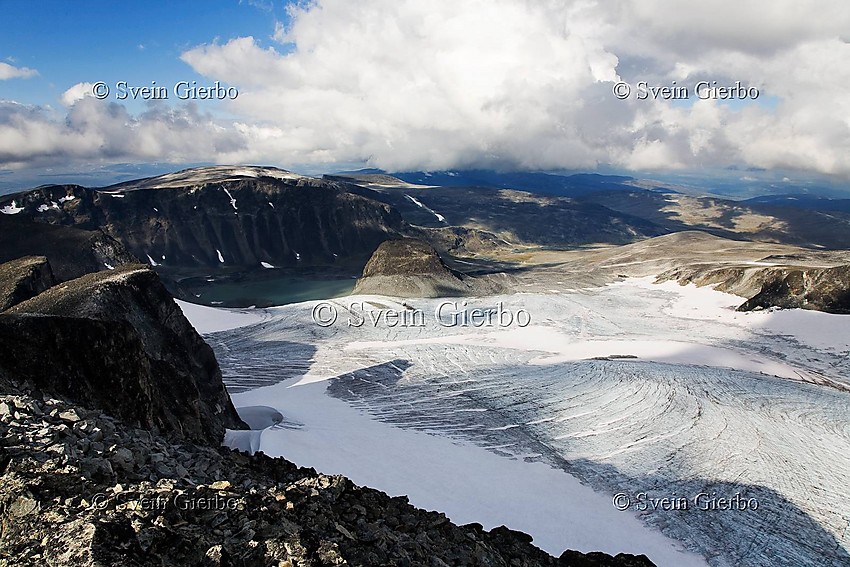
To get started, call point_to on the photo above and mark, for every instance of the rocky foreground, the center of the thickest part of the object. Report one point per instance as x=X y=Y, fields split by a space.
x=81 y=488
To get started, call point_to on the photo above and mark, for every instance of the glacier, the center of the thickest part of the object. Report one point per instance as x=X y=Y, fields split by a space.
x=623 y=418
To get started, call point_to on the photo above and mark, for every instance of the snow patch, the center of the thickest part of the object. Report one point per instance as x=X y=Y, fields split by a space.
x=67 y=198
x=11 y=209
x=215 y=319
x=266 y=265
x=220 y=256
x=152 y=261
x=232 y=199
x=419 y=204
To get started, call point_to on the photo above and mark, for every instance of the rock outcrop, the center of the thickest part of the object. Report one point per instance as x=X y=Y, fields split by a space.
x=71 y=252
x=79 y=488
x=116 y=340
x=410 y=267
x=821 y=289
x=786 y=286
x=23 y=279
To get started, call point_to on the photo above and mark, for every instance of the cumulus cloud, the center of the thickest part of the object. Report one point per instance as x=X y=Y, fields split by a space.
x=77 y=92
x=415 y=84
x=516 y=83
x=410 y=84
x=93 y=129
x=11 y=72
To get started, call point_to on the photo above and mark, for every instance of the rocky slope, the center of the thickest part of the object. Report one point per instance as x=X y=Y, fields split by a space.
x=763 y=222
x=411 y=267
x=227 y=217
x=788 y=278
x=116 y=340
x=71 y=252
x=79 y=488
x=517 y=217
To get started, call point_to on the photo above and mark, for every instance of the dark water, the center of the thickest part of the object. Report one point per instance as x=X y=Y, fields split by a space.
x=266 y=292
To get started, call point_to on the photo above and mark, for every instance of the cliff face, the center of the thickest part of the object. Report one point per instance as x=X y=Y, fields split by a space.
x=116 y=340
x=210 y=218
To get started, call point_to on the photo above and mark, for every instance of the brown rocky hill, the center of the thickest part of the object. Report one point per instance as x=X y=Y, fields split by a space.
x=410 y=267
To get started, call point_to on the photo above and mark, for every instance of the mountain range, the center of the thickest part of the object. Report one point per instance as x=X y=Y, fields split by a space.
x=229 y=223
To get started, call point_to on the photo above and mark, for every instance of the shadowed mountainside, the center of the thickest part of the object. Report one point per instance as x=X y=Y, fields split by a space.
x=116 y=340
x=71 y=252
x=232 y=218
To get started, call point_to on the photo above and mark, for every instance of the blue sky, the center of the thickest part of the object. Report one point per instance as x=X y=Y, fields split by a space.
x=98 y=40
x=326 y=85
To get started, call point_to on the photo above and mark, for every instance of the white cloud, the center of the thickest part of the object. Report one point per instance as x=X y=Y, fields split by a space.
x=77 y=92
x=410 y=84
x=94 y=129
x=279 y=34
x=11 y=72
x=420 y=85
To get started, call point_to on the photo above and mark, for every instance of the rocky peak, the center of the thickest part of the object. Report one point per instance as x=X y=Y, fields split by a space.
x=117 y=340
x=407 y=257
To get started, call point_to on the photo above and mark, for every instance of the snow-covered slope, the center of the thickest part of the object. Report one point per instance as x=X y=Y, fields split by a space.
x=625 y=396
x=200 y=175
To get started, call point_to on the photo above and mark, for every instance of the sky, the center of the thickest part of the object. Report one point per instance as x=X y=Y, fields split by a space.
x=406 y=85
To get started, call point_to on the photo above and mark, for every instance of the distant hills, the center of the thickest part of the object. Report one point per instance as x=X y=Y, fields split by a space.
x=557 y=210
x=228 y=221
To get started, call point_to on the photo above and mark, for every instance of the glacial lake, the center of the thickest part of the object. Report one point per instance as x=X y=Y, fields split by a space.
x=265 y=292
